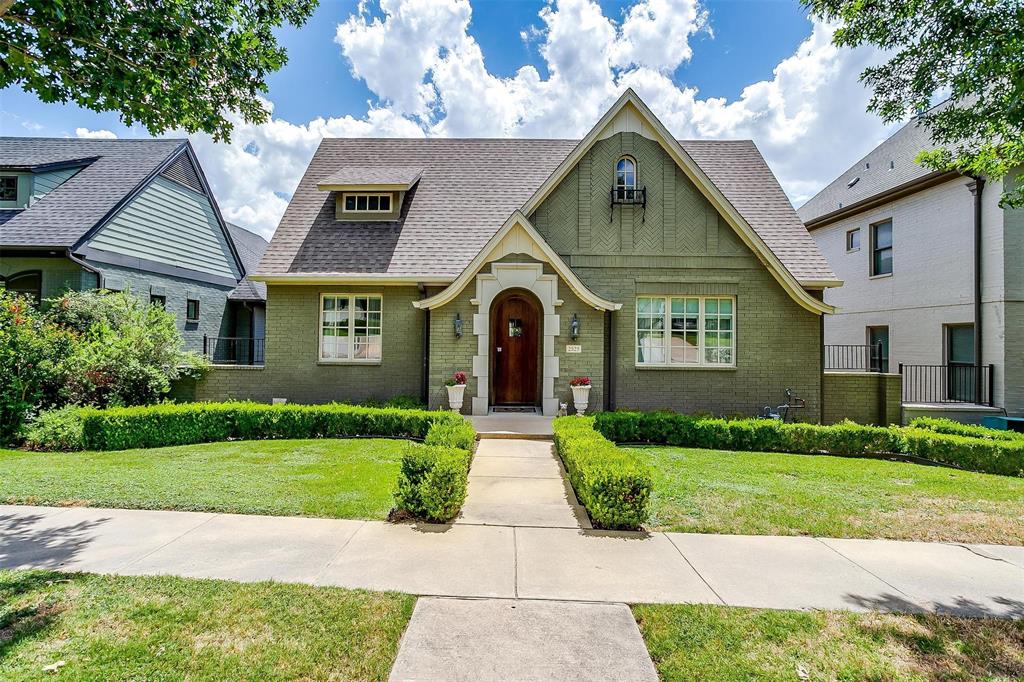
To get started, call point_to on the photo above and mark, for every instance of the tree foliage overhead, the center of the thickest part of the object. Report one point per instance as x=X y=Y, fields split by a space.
x=971 y=51
x=163 y=63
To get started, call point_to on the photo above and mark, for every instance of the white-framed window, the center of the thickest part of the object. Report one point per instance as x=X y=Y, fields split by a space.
x=696 y=331
x=350 y=327
x=367 y=202
x=625 y=173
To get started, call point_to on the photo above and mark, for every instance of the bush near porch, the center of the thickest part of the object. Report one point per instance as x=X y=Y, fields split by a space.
x=986 y=455
x=613 y=485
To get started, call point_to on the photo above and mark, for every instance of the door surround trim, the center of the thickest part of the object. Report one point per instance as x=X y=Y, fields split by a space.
x=531 y=277
x=538 y=314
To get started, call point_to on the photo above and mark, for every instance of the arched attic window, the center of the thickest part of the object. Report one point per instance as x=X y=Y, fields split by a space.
x=625 y=178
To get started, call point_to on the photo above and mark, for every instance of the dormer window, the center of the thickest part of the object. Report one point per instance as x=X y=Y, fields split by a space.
x=367 y=203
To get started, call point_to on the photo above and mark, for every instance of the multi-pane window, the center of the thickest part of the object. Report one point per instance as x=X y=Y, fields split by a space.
x=853 y=240
x=625 y=173
x=881 y=248
x=686 y=330
x=350 y=328
x=8 y=187
x=367 y=203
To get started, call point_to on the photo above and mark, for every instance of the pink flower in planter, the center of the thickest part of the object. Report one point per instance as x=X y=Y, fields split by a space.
x=579 y=381
x=459 y=379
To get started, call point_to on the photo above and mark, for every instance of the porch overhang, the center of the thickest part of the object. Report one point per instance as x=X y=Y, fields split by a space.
x=517 y=235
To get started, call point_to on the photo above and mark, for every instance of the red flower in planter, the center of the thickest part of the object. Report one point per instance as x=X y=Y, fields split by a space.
x=579 y=381
x=460 y=378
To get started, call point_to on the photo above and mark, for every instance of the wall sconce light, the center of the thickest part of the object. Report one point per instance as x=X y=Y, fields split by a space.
x=574 y=327
x=458 y=326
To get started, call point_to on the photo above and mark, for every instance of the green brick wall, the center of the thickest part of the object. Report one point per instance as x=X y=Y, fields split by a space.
x=863 y=397
x=292 y=369
x=679 y=245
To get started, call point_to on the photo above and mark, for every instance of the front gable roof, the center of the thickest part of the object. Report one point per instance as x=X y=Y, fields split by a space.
x=518 y=236
x=468 y=188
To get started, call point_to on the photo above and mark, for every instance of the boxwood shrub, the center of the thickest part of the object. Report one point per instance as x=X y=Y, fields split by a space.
x=432 y=481
x=189 y=423
x=976 y=454
x=613 y=485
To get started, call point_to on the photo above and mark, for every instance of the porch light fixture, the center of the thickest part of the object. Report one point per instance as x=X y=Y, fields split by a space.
x=574 y=327
x=458 y=326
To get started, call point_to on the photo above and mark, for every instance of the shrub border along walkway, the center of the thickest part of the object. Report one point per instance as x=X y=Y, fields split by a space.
x=432 y=481
x=613 y=485
x=985 y=455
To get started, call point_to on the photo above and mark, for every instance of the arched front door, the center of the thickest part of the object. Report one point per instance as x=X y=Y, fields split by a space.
x=515 y=336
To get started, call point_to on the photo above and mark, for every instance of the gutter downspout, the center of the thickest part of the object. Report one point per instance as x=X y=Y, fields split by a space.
x=977 y=186
x=85 y=266
x=425 y=376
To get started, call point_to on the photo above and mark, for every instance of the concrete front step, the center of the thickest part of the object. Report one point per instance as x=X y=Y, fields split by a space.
x=510 y=639
x=559 y=515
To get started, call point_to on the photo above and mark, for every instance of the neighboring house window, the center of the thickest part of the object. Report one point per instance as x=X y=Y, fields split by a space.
x=192 y=310
x=881 y=248
x=158 y=300
x=8 y=187
x=28 y=284
x=350 y=328
x=686 y=331
x=878 y=339
x=625 y=178
x=853 y=240
x=367 y=203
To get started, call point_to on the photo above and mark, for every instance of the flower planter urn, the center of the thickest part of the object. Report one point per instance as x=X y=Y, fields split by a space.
x=455 y=396
x=580 y=398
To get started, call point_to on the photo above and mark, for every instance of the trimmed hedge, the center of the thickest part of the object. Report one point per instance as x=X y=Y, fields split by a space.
x=765 y=435
x=432 y=481
x=612 y=484
x=970 y=430
x=189 y=423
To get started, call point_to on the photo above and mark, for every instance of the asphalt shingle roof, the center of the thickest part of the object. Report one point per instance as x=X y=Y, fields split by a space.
x=62 y=217
x=373 y=175
x=468 y=189
x=250 y=247
x=886 y=167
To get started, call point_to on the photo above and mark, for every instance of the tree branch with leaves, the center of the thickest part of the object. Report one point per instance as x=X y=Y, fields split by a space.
x=165 y=64
x=968 y=52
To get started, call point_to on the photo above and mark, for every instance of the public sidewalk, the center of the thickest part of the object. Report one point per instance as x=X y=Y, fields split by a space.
x=527 y=562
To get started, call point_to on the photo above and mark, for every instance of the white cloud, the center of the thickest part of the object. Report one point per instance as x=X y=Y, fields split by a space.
x=429 y=77
x=95 y=134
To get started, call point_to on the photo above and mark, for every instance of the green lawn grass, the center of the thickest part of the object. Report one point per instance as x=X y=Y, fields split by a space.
x=711 y=491
x=333 y=478
x=720 y=643
x=165 y=628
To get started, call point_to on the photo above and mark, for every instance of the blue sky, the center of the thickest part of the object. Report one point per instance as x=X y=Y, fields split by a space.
x=681 y=55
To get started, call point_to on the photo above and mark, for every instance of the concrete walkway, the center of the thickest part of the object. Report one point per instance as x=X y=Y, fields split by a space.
x=528 y=562
x=520 y=483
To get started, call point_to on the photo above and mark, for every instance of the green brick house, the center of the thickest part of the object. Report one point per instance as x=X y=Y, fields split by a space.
x=673 y=274
x=129 y=215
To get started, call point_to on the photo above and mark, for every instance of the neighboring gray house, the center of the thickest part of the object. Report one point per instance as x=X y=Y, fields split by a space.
x=903 y=240
x=133 y=215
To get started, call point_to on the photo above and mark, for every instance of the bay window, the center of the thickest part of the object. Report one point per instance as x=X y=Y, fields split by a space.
x=680 y=331
x=350 y=328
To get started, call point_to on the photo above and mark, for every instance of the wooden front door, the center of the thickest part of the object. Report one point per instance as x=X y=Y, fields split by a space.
x=515 y=332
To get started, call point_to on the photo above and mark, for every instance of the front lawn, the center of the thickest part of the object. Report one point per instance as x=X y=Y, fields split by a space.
x=720 y=643
x=91 y=627
x=332 y=478
x=712 y=491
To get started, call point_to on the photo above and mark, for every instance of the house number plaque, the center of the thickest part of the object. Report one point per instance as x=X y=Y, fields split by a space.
x=573 y=348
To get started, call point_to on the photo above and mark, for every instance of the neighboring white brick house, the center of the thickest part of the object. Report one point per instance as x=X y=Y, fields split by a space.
x=927 y=303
